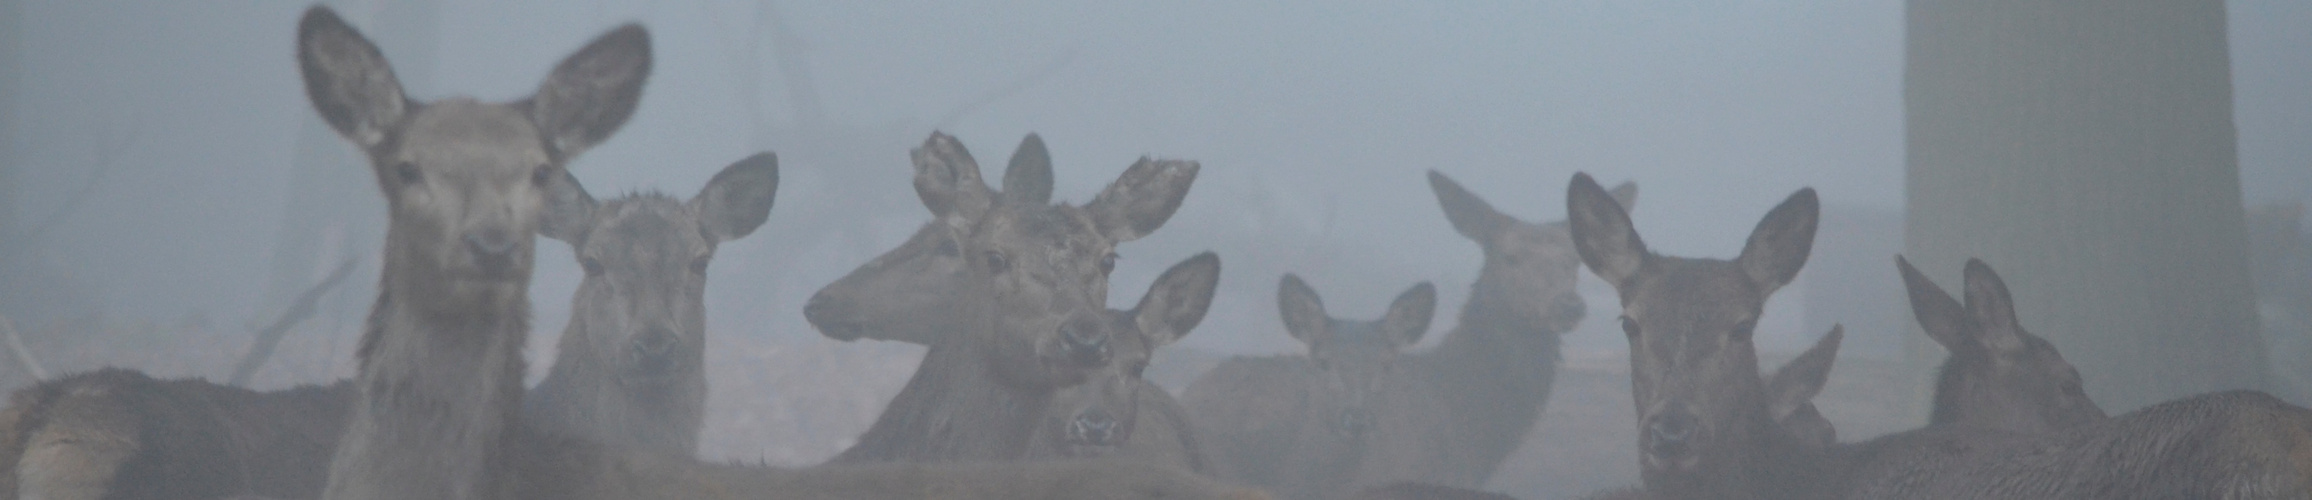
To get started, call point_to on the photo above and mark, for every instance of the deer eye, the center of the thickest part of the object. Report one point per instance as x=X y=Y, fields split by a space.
x=1629 y=327
x=407 y=172
x=1108 y=262
x=541 y=175
x=996 y=262
x=593 y=266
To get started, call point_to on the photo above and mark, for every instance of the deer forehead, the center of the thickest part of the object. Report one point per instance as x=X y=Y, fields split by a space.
x=1062 y=234
x=1692 y=294
x=471 y=137
x=646 y=230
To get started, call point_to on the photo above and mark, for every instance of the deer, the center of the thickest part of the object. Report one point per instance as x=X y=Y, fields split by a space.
x=628 y=374
x=909 y=294
x=1490 y=375
x=1707 y=423
x=435 y=414
x=1118 y=413
x=1031 y=319
x=1311 y=426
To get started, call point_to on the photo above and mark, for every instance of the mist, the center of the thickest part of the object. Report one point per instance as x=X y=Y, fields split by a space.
x=151 y=149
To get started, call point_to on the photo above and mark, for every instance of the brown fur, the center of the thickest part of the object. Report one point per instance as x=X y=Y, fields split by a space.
x=1425 y=491
x=118 y=434
x=1118 y=412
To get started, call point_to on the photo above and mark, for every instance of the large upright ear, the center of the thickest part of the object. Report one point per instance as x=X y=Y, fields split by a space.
x=1143 y=198
x=1178 y=299
x=1304 y=313
x=569 y=213
x=947 y=178
x=738 y=199
x=1795 y=384
x=1409 y=315
x=1602 y=232
x=1993 y=308
x=1029 y=178
x=1470 y=215
x=593 y=91
x=1779 y=245
x=1939 y=314
x=348 y=79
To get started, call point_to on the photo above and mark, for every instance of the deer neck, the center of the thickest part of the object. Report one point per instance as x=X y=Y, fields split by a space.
x=438 y=388
x=1493 y=372
x=957 y=406
x=583 y=396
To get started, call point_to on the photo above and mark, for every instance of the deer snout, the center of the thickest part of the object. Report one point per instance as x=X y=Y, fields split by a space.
x=1085 y=340
x=492 y=247
x=828 y=316
x=653 y=351
x=1094 y=427
x=1671 y=434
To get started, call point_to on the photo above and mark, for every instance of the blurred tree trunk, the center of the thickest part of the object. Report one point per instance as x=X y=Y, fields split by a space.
x=2086 y=150
x=333 y=211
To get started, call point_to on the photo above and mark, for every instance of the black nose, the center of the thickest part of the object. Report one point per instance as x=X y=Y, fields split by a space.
x=1086 y=341
x=823 y=314
x=1093 y=427
x=1670 y=433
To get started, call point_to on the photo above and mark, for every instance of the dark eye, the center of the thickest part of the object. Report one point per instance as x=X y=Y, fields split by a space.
x=1629 y=327
x=996 y=262
x=541 y=175
x=593 y=267
x=698 y=265
x=1108 y=262
x=408 y=173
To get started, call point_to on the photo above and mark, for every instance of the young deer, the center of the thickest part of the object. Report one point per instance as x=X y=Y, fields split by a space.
x=1032 y=320
x=439 y=379
x=1119 y=413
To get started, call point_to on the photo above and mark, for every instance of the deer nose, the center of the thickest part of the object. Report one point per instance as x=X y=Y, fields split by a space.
x=492 y=244
x=1671 y=432
x=1093 y=427
x=654 y=350
x=1086 y=341
x=824 y=313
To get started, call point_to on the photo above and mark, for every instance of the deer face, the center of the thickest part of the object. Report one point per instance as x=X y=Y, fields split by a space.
x=910 y=294
x=1036 y=276
x=1357 y=359
x=641 y=305
x=1530 y=269
x=1694 y=371
x=1998 y=375
x=1099 y=415
x=466 y=181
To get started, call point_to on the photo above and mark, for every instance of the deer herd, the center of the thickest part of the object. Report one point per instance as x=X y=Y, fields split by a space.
x=1031 y=387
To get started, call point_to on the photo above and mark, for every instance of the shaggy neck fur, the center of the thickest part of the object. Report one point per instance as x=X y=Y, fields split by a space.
x=955 y=408
x=1493 y=372
x=583 y=396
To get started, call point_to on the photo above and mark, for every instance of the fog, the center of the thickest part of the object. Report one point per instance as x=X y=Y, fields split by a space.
x=162 y=137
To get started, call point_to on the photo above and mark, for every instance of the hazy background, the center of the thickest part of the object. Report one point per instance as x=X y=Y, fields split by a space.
x=1314 y=123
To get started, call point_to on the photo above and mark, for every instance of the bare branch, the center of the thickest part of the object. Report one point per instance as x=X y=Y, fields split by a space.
x=16 y=346
x=262 y=347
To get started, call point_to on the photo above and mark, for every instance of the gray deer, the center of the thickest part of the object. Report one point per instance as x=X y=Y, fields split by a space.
x=1032 y=319
x=440 y=365
x=1118 y=413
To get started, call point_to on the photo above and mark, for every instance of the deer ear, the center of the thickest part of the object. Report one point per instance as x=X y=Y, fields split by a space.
x=1303 y=312
x=1143 y=198
x=348 y=79
x=1940 y=315
x=569 y=213
x=1993 y=308
x=947 y=179
x=1029 y=177
x=1602 y=232
x=1779 y=245
x=1471 y=216
x=1626 y=194
x=1178 y=299
x=592 y=92
x=1795 y=384
x=1807 y=425
x=738 y=199
x=1408 y=316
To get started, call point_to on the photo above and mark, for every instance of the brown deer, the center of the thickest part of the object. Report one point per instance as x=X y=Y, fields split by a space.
x=909 y=294
x=1033 y=318
x=1998 y=375
x=1489 y=377
x=1119 y=413
x=1317 y=425
x=629 y=371
x=121 y=433
x=438 y=385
